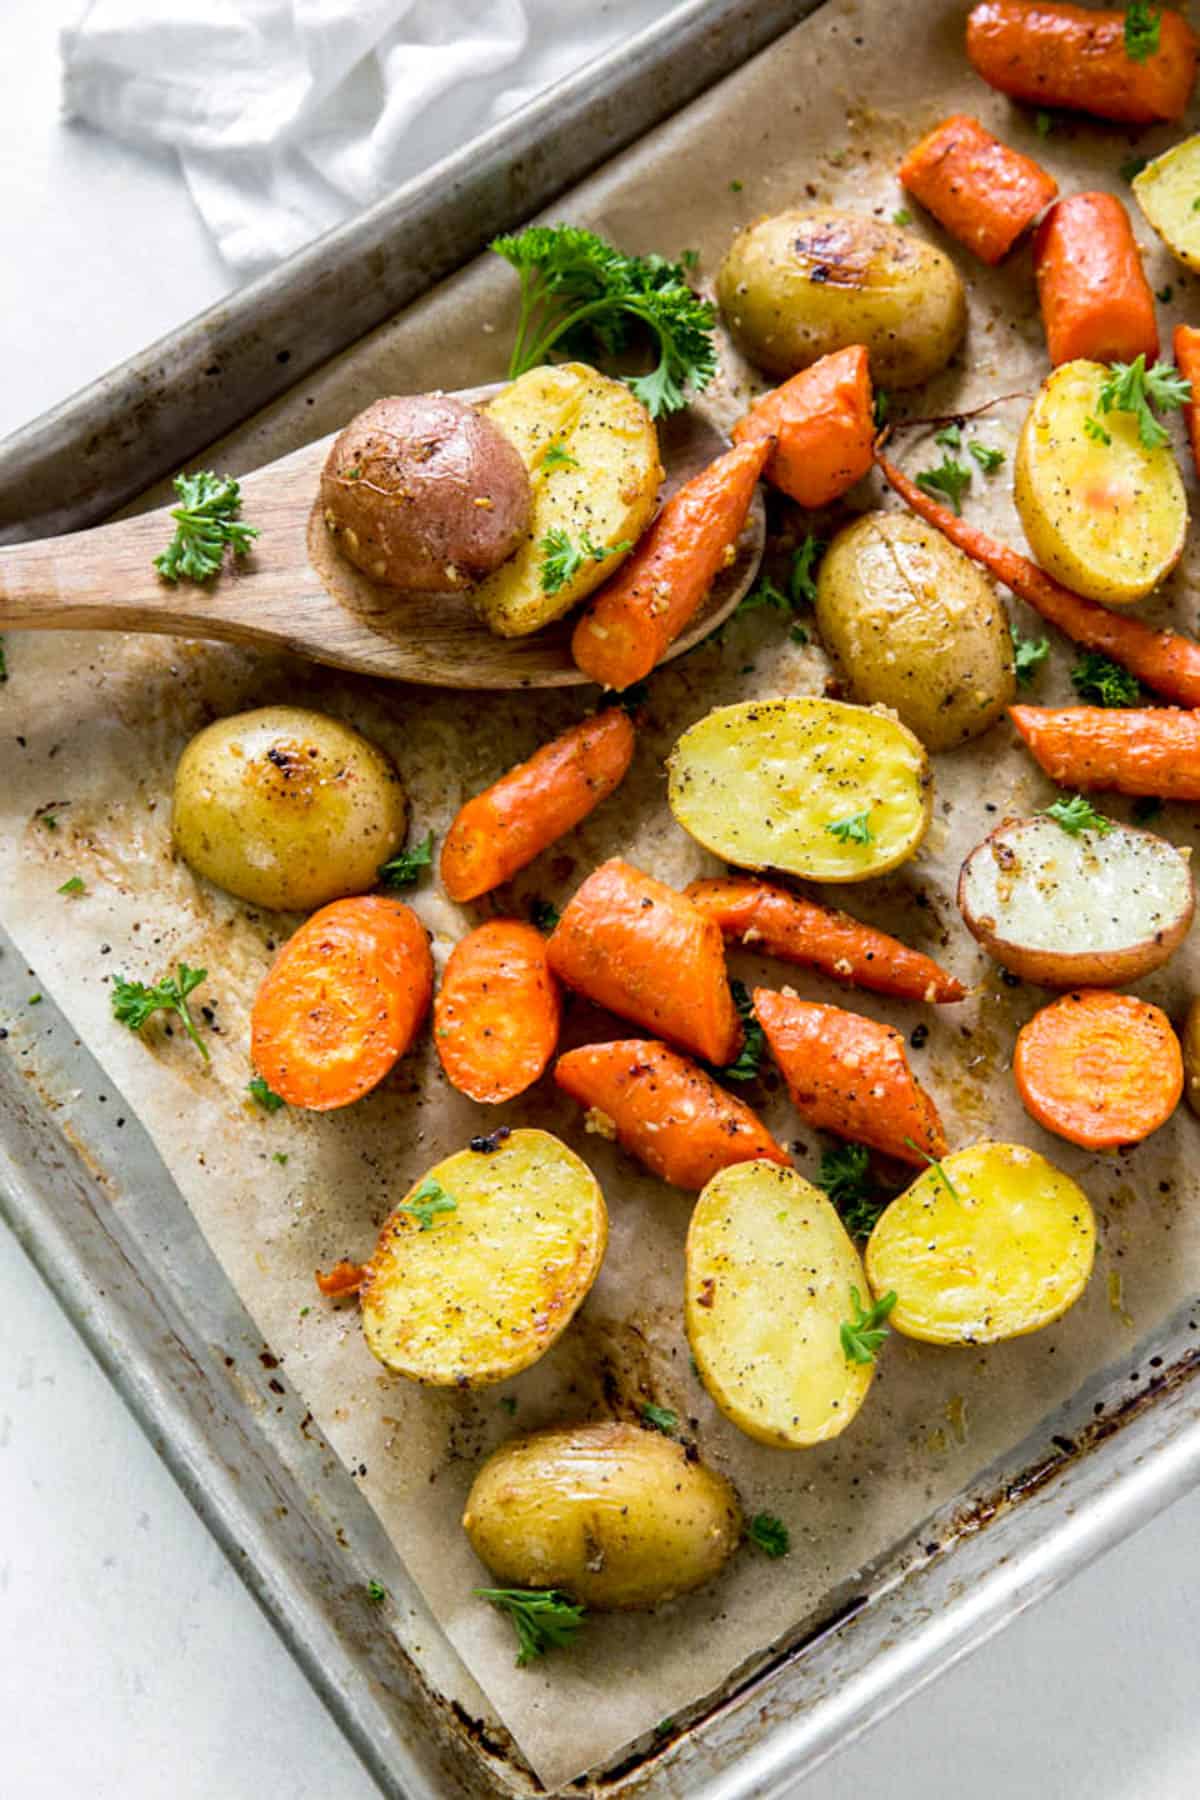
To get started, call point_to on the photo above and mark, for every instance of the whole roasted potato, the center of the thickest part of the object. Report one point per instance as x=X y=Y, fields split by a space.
x=421 y=491
x=800 y=284
x=916 y=627
x=286 y=808
x=615 y=1516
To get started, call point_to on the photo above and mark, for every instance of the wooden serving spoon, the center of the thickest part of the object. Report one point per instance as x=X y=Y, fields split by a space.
x=294 y=592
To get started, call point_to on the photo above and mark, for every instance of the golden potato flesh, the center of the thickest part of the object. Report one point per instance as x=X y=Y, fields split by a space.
x=798 y=285
x=613 y=1515
x=770 y=1267
x=916 y=627
x=991 y=1243
x=815 y=787
x=477 y=1285
x=1166 y=191
x=1102 y=513
x=286 y=808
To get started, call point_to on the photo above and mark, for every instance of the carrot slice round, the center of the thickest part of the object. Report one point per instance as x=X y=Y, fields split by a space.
x=1099 y=1069
x=496 y=1017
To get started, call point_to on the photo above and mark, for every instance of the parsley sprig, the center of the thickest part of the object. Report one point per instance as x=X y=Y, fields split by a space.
x=1075 y=813
x=264 y=1096
x=754 y=1039
x=562 y=557
x=937 y=1166
x=206 y=522
x=660 y=1418
x=577 y=291
x=845 y=1176
x=427 y=1202
x=557 y=456
x=1028 y=655
x=404 y=869
x=1142 y=28
x=768 y=1534
x=133 y=1003
x=864 y=1331
x=543 y=1618
x=1102 y=682
x=855 y=828
x=949 y=482
x=1133 y=388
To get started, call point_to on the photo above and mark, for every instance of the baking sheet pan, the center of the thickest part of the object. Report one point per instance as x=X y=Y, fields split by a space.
x=816 y=1706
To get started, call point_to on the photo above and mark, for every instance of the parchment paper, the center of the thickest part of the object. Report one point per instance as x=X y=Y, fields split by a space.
x=95 y=724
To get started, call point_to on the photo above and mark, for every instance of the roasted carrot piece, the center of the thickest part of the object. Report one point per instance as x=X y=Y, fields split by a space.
x=664 y=1110
x=646 y=953
x=636 y=617
x=1068 y=56
x=496 y=1017
x=344 y=1278
x=1096 y=302
x=1164 y=660
x=773 y=919
x=510 y=823
x=1099 y=1069
x=984 y=194
x=341 y=1002
x=1186 y=345
x=823 y=424
x=1132 y=750
x=850 y=1075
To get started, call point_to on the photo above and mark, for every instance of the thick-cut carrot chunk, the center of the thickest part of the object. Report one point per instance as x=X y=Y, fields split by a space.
x=984 y=194
x=636 y=617
x=1095 y=299
x=850 y=1075
x=1099 y=1069
x=510 y=823
x=664 y=1110
x=1130 y=749
x=496 y=1017
x=341 y=1002
x=823 y=424
x=1187 y=360
x=644 y=951
x=1056 y=55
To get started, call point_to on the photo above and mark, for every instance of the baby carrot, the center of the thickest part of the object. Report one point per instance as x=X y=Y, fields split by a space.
x=850 y=1075
x=1186 y=345
x=646 y=953
x=1099 y=1069
x=984 y=194
x=780 y=923
x=510 y=823
x=823 y=424
x=1164 y=660
x=342 y=1001
x=1055 y=56
x=1130 y=749
x=496 y=1017
x=636 y=617
x=1096 y=302
x=664 y=1110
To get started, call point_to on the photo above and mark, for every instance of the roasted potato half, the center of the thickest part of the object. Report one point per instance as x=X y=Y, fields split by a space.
x=992 y=1242
x=770 y=1267
x=1166 y=191
x=916 y=627
x=800 y=284
x=1093 y=910
x=816 y=787
x=483 y=1264
x=286 y=808
x=616 y=1516
x=1102 y=513
x=593 y=496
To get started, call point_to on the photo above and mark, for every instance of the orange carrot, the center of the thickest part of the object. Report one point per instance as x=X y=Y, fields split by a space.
x=636 y=617
x=1092 y=288
x=341 y=1002
x=1069 y=56
x=664 y=1110
x=1099 y=1069
x=774 y=920
x=646 y=953
x=496 y=1017
x=1132 y=750
x=510 y=823
x=344 y=1278
x=984 y=194
x=1164 y=660
x=823 y=424
x=850 y=1075
x=1187 y=361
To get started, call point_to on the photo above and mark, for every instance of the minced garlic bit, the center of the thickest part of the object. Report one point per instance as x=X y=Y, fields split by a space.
x=599 y=1122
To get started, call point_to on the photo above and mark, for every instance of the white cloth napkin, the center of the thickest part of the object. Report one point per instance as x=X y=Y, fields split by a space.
x=287 y=115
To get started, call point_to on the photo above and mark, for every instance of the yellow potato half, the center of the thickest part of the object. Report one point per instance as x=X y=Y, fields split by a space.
x=1166 y=190
x=1108 y=519
x=815 y=787
x=1002 y=1248
x=602 y=497
x=770 y=1267
x=490 y=1282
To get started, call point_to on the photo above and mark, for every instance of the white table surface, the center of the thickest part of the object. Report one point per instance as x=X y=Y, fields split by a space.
x=133 y=1664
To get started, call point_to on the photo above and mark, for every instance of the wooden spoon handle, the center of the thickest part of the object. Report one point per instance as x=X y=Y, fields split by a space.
x=102 y=580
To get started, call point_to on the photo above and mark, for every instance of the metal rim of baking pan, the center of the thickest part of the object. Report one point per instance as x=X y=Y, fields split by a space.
x=186 y=1357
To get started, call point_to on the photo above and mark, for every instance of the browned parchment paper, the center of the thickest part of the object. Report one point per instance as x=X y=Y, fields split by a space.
x=95 y=724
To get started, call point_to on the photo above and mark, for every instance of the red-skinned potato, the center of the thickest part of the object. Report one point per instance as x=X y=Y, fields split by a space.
x=1093 y=909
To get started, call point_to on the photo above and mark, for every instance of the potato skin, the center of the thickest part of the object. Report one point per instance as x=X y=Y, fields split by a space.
x=286 y=808
x=797 y=285
x=421 y=491
x=916 y=627
x=615 y=1516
